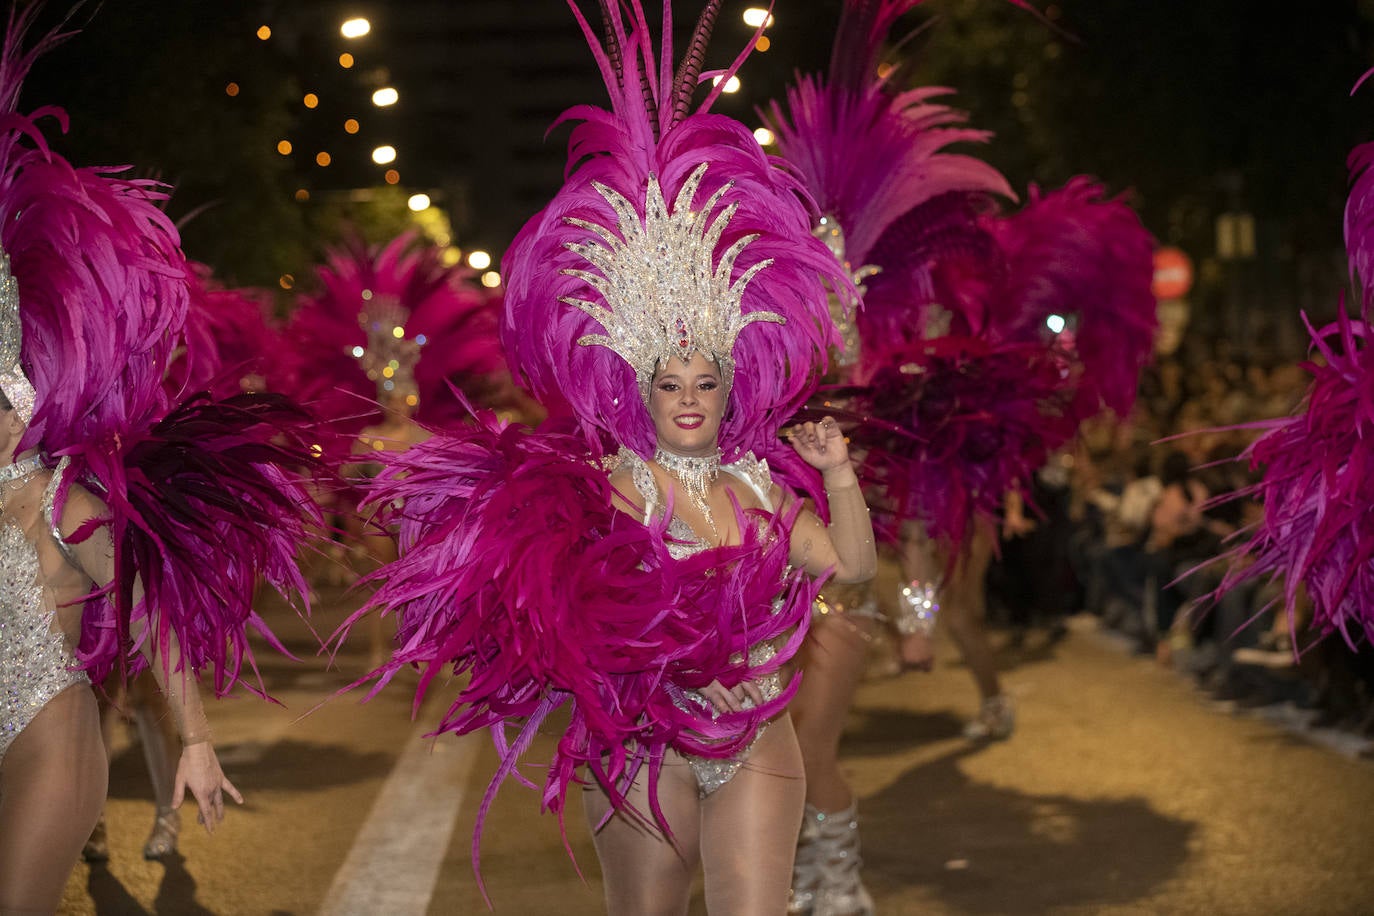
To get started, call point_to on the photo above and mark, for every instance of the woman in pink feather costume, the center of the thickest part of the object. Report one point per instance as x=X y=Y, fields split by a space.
x=642 y=560
x=896 y=203
x=133 y=532
x=959 y=392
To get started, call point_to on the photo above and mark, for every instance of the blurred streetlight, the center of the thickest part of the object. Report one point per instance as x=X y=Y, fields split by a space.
x=756 y=16
x=264 y=32
x=284 y=147
x=351 y=126
x=764 y=136
x=355 y=28
x=731 y=85
x=491 y=279
x=384 y=154
x=311 y=100
x=345 y=60
x=479 y=260
x=385 y=96
x=418 y=202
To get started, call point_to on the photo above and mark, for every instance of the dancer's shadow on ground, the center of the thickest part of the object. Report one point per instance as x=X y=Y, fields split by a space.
x=285 y=766
x=176 y=894
x=878 y=731
x=980 y=848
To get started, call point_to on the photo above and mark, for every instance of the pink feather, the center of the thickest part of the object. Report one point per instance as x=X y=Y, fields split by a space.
x=516 y=570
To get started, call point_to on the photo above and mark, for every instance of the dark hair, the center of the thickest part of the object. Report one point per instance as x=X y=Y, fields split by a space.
x=1176 y=468
x=5 y=402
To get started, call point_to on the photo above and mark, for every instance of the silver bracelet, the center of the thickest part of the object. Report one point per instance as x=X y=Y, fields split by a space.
x=918 y=606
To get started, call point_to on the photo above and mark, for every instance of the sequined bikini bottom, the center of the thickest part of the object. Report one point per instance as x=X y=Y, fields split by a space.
x=714 y=772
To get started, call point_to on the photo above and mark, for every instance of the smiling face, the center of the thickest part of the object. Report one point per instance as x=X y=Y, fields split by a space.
x=687 y=404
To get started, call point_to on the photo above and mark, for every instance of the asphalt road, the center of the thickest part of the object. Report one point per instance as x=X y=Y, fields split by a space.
x=1122 y=791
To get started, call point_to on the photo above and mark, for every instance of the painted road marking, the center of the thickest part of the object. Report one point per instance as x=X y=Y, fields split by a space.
x=396 y=856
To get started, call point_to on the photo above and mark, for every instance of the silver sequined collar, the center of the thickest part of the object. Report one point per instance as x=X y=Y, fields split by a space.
x=694 y=475
x=21 y=468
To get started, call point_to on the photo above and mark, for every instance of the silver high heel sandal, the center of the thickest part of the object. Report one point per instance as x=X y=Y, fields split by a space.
x=996 y=720
x=806 y=873
x=829 y=883
x=162 y=841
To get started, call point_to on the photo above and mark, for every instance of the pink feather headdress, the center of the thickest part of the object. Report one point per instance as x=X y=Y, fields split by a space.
x=590 y=307
x=868 y=153
x=366 y=334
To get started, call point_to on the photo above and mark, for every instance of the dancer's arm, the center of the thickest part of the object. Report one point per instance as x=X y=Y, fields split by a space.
x=198 y=769
x=846 y=546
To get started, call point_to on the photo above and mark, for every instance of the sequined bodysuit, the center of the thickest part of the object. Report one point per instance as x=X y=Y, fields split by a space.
x=36 y=663
x=712 y=773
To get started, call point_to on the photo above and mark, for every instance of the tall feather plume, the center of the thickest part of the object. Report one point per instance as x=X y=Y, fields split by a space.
x=869 y=154
x=685 y=81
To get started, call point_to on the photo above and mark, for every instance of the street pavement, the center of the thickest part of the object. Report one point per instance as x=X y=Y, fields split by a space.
x=1123 y=791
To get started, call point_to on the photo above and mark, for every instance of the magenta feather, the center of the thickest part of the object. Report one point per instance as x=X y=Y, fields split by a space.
x=516 y=570
x=1359 y=220
x=228 y=342
x=1317 y=533
x=1076 y=253
x=952 y=424
x=212 y=498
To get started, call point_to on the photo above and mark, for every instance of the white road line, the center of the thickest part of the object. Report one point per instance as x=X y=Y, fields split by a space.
x=396 y=855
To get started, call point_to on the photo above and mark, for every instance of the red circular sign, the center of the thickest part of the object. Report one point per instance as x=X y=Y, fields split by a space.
x=1173 y=274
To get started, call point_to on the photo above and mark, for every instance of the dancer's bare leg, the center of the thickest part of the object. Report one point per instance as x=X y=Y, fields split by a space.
x=964 y=609
x=833 y=661
x=749 y=828
x=643 y=873
x=161 y=752
x=52 y=787
x=157 y=732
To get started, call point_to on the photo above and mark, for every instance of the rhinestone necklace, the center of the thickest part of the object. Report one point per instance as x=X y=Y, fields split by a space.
x=21 y=468
x=694 y=476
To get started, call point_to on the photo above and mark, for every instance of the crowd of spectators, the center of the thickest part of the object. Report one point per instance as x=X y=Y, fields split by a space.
x=1133 y=529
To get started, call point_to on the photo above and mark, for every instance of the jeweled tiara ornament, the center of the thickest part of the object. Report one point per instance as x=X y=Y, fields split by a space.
x=13 y=382
x=663 y=296
x=390 y=356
